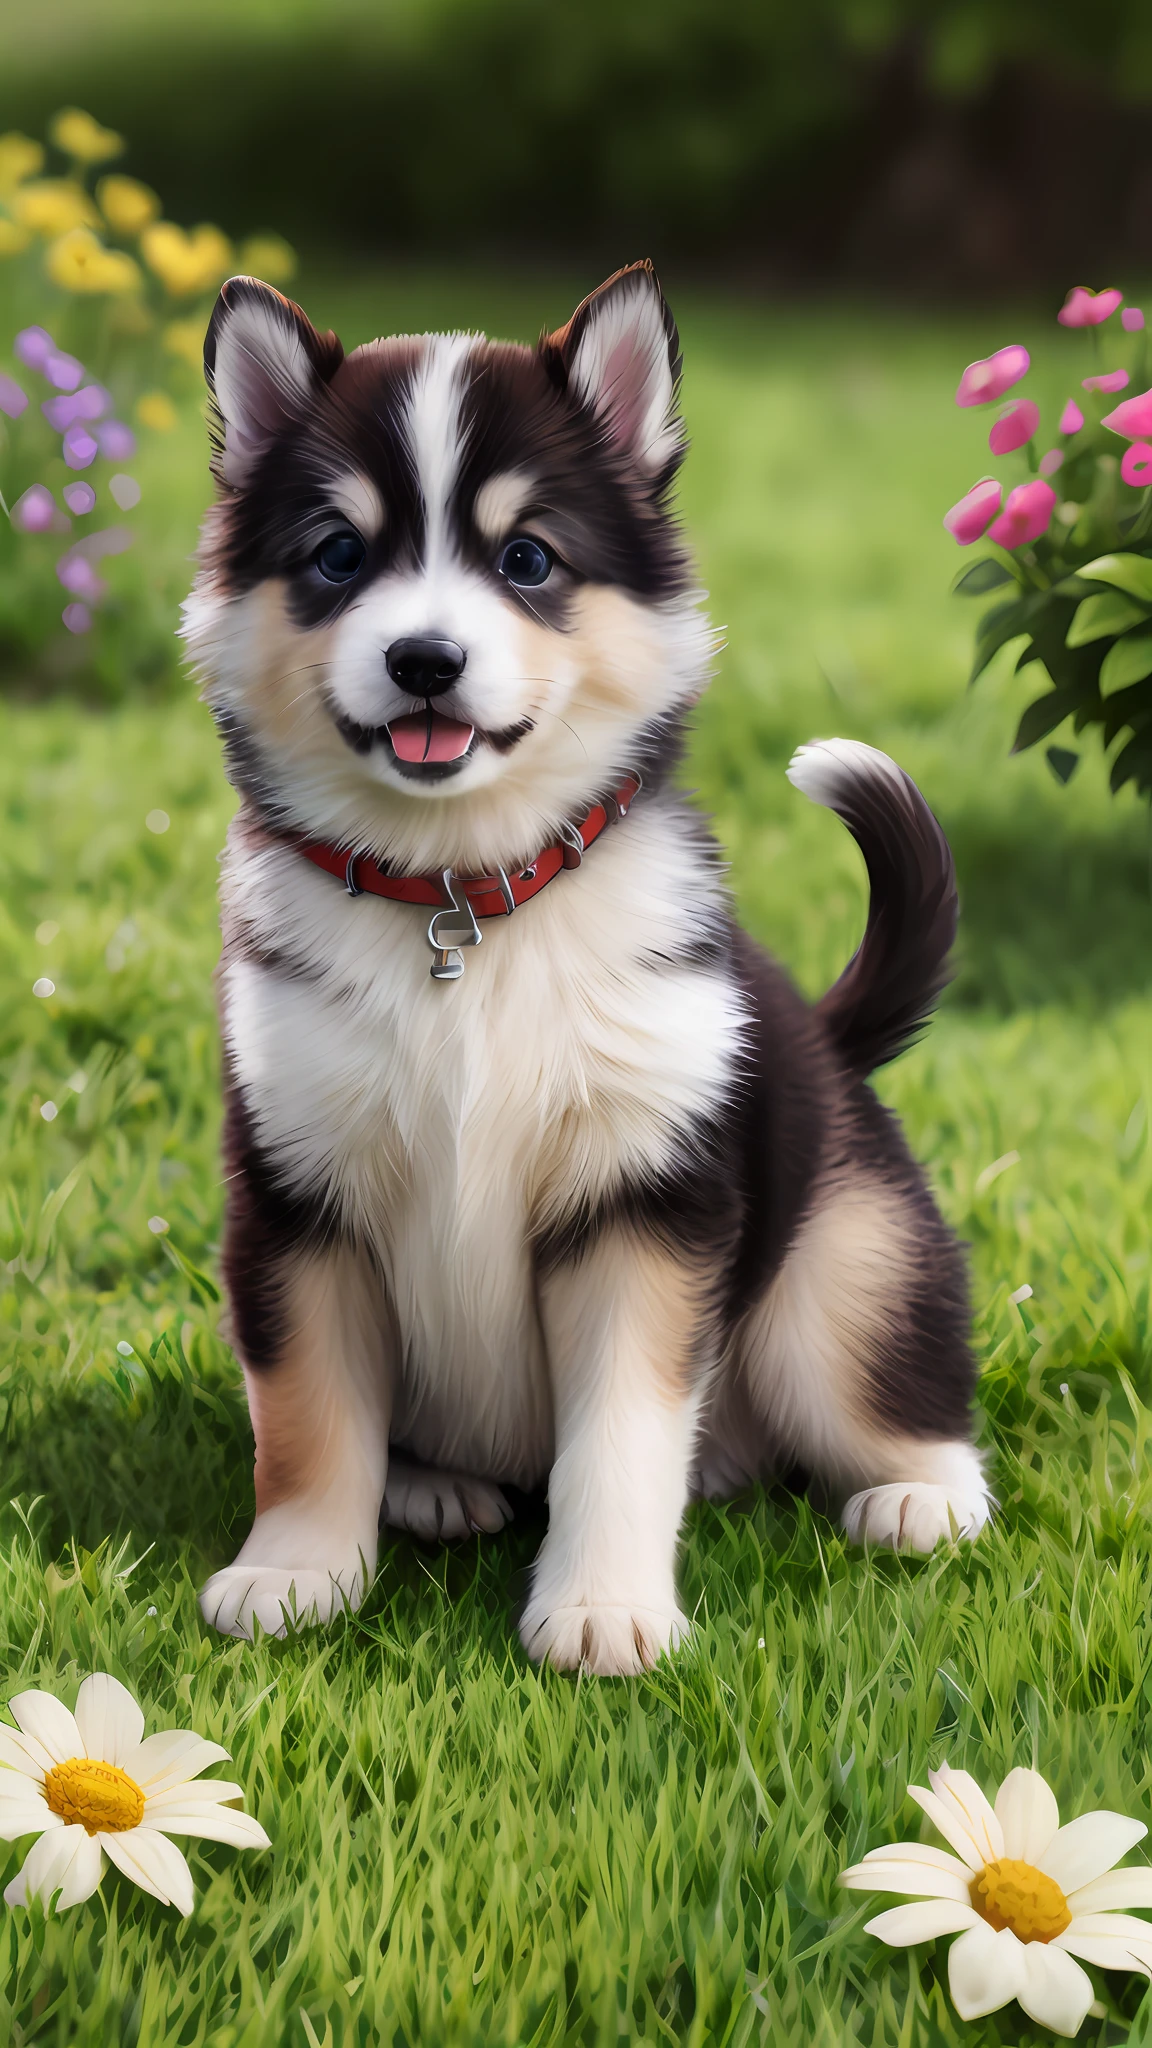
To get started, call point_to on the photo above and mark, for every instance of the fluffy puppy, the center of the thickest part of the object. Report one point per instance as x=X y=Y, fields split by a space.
x=600 y=1201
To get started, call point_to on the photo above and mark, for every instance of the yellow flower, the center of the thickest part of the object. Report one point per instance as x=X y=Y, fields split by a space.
x=186 y=263
x=126 y=204
x=269 y=257
x=185 y=338
x=53 y=205
x=20 y=158
x=12 y=238
x=156 y=410
x=79 y=136
x=81 y=263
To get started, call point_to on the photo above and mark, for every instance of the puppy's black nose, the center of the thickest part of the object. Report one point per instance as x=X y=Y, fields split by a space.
x=426 y=665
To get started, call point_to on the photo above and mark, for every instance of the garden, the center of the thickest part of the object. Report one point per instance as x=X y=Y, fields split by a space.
x=466 y=1849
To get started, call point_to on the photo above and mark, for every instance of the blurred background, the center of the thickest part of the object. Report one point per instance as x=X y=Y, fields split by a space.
x=887 y=142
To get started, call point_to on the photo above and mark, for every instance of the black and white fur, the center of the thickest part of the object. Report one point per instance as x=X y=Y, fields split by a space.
x=617 y=1211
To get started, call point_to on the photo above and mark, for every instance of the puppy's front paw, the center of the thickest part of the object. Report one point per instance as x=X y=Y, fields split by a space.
x=914 y=1516
x=610 y=1642
x=242 y=1594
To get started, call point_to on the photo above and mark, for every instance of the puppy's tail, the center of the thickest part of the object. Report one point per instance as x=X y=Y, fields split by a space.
x=886 y=993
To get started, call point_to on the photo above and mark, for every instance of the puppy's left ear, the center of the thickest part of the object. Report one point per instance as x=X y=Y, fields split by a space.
x=619 y=356
x=264 y=363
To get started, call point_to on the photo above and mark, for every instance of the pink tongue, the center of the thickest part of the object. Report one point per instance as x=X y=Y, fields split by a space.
x=429 y=737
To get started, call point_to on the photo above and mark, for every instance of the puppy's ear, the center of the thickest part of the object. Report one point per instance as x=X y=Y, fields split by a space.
x=264 y=363
x=619 y=355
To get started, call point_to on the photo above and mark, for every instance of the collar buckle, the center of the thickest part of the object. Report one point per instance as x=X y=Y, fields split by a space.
x=446 y=940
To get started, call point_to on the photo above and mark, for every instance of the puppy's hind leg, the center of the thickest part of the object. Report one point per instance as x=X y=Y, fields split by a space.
x=319 y=1402
x=858 y=1357
x=441 y=1507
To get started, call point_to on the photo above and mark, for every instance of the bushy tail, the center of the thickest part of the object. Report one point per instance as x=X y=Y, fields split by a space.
x=885 y=995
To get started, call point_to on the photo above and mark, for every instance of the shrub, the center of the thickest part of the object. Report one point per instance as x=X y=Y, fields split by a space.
x=106 y=307
x=1072 y=543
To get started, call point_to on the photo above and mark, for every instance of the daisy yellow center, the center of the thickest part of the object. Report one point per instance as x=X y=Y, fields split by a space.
x=94 y=1795
x=1017 y=1895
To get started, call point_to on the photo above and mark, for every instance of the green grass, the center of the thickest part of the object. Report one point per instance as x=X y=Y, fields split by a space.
x=466 y=1850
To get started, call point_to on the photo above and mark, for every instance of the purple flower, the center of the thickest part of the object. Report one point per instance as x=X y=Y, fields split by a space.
x=13 y=401
x=1132 y=319
x=79 y=498
x=35 y=511
x=79 y=448
x=117 y=441
x=77 y=575
x=34 y=345
x=86 y=404
x=63 y=371
x=77 y=618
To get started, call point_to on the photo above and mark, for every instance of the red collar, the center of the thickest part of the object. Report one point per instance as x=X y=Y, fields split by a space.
x=468 y=897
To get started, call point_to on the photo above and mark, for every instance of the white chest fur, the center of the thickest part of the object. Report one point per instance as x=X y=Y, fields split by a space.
x=449 y=1123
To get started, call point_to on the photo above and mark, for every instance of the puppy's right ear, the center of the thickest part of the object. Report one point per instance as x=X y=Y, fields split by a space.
x=265 y=363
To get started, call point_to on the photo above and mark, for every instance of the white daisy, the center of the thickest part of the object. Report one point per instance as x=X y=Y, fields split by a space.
x=1024 y=1894
x=90 y=1785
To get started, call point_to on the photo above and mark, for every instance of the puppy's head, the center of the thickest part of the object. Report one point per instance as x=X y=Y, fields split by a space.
x=443 y=602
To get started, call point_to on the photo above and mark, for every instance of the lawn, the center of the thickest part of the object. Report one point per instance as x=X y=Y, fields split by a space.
x=467 y=1850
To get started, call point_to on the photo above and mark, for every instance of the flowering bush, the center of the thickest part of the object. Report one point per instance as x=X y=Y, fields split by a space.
x=106 y=306
x=1072 y=542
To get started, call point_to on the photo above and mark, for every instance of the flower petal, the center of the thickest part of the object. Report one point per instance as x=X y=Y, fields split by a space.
x=50 y=1729
x=1027 y=1812
x=1055 y=1990
x=1116 y=1888
x=171 y=1758
x=83 y=1873
x=18 y=1754
x=154 y=1863
x=109 y=1719
x=984 y=1970
x=1087 y=1847
x=48 y=1865
x=211 y=1823
x=209 y=1791
x=922 y=1852
x=922 y=1922
x=915 y=1880
x=957 y=1806
x=29 y=1816
x=1107 y=1951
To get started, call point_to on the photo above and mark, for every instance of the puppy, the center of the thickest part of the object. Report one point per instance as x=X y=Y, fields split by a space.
x=538 y=1169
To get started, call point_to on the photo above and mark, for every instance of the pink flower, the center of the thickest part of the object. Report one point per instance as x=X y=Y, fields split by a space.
x=1132 y=417
x=35 y=511
x=1136 y=466
x=86 y=404
x=77 y=618
x=1049 y=463
x=1015 y=425
x=117 y=441
x=1025 y=516
x=34 y=345
x=1071 y=419
x=1132 y=319
x=1085 y=308
x=969 y=519
x=1110 y=380
x=79 y=498
x=63 y=371
x=993 y=375
x=13 y=401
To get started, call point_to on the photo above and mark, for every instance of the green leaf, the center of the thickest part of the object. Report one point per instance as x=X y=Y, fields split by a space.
x=1129 y=661
x=1063 y=763
x=204 y=1287
x=981 y=577
x=1107 y=613
x=998 y=626
x=1132 y=573
x=1043 y=717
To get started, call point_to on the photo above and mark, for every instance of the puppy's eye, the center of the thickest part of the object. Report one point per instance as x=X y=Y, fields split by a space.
x=340 y=557
x=526 y=562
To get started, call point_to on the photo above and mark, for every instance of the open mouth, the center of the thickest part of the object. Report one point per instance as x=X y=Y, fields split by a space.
x=427 y=745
